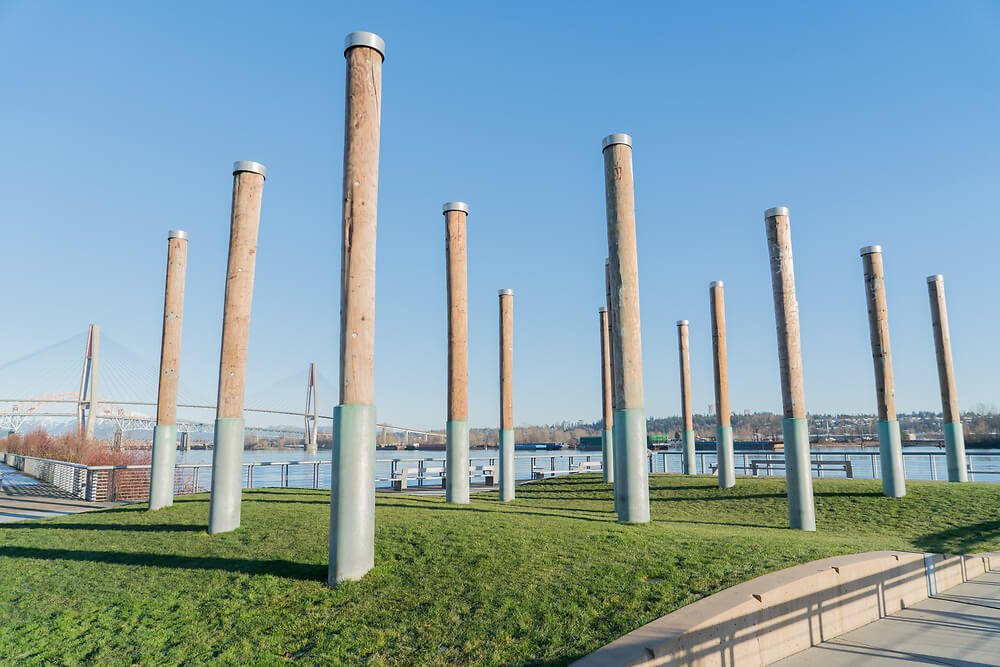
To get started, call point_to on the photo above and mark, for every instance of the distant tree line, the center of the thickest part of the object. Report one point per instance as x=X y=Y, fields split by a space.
x=981 y=423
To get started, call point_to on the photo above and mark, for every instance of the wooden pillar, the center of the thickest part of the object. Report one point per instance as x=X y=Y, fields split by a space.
x=723 y=425
x=227 y=457
x=614 y=362
x=630 y=420
x=506 y=394
x=954 y=435
x=455 y=214
x=607 y=412
x=801 y=510
x=352 y=486
x=890 y=445
x=161 y=481
x=687 y=433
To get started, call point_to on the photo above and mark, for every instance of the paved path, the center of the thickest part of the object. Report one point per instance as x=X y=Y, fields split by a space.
x=23 y=497
x=958 y=627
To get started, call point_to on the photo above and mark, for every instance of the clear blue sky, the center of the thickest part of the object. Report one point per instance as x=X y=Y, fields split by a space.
x=873 y=122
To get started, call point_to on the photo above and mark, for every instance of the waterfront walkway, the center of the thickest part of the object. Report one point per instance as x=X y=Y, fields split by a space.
x=23 y=497
x=960 y=626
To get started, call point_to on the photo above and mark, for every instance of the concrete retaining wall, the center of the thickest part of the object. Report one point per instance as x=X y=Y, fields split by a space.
x=776 y=615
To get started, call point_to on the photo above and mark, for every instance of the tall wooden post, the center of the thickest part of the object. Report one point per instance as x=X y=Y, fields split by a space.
x=457 y=428
x=227 y=457
x=723 y=425
x=161 y=480
x=632 y=492
x=687 y=419
x=798 y=466
x=352 y=481
x=954 y=436
x=506 y=394
x=607 y=412
x=614 y=362
x=890 y=445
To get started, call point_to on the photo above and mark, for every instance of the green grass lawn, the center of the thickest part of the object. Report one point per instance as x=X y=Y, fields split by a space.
x=544 y=579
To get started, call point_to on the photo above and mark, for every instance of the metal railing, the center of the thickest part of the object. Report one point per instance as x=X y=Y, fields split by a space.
x=130 y=483
x=983 y=466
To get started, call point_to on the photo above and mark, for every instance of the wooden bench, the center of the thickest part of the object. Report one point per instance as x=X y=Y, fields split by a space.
x=539 y=472
x=712 y=467
x=400 y=481
x=846 y=466
x=542 y=473
x=488 y=473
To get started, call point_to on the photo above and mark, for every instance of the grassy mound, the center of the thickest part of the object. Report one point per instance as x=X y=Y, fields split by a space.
x=546 y=578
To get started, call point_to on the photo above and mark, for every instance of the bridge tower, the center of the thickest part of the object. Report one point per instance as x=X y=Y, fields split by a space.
x=86 y=406
x=310 y=414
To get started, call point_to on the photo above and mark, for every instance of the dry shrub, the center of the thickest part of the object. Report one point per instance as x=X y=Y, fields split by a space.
x=71 y=447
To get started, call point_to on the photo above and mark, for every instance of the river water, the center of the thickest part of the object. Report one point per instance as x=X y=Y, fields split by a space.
x=305 y=470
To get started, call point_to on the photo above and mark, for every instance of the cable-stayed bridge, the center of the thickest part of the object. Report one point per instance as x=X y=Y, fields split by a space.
x=90 y=381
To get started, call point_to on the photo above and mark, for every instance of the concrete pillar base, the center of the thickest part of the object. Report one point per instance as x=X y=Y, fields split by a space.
x=632 y=486
x=607 y=454
x=352 y=493
x=954 y=447
x=690 y=466
x=227 y=476
x=798 y=472
x=161 y=478
x=891 y=449
x=507 y=464
x=726 y=459
x=457 y=491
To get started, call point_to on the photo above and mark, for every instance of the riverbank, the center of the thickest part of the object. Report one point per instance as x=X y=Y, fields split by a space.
x=549 y=577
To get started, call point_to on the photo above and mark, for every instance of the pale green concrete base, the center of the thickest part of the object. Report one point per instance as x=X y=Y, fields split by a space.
x=688 y=464
x=798 y=473
x=954 y=448
x=227 y=476
x=608 y=465
x=726 y=459
x=352 y=493
x=506 y=464
x=457 y=434
x=891 y=452
x=161 y=477
x=632 y=487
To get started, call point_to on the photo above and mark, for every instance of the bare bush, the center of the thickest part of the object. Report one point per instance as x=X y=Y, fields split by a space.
x=72 y=448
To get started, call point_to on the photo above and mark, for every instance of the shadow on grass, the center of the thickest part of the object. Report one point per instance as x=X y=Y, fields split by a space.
x=278 y=568
x=138 y=528
x=498 y=510
x=961 y=539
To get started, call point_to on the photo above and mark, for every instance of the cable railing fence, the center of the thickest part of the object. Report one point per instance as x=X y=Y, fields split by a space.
x=130 y=483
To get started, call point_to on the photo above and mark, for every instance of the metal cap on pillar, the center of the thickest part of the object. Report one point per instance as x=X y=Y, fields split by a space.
x=871 y=250
x=455 y=206
x=602 y=309
x=935 y=278
x=716 y=283
x=682 y=323
x=177 y=234
x=249 y=165
x=777 y=210
x=506 y=292
x=617 y=138
x=362 y=38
